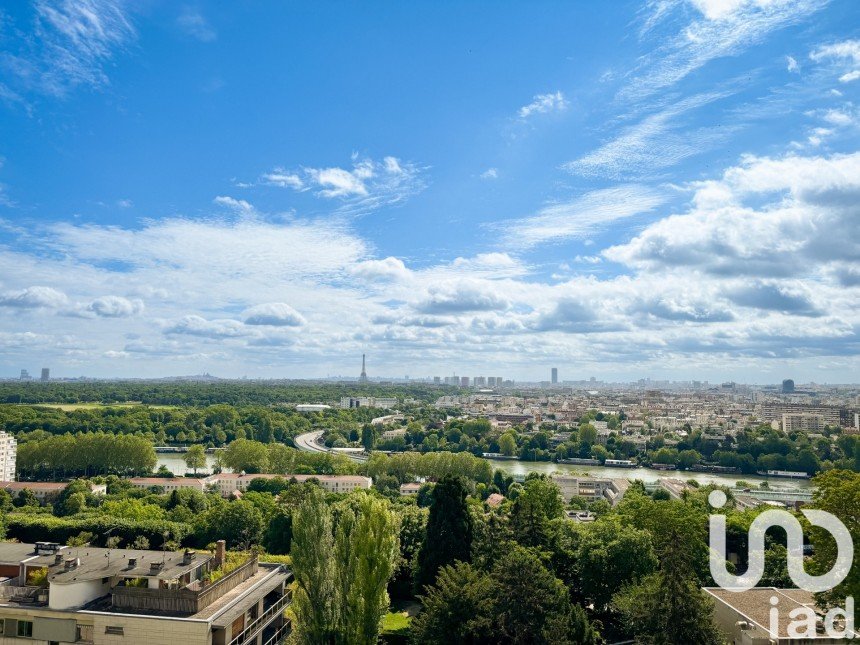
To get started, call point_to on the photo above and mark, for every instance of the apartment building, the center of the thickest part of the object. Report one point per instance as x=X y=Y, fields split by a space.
x=8 y=452
x=590 y=488
x=99 y=596
x=802 y=422
x=46 y=491
x=229 y=483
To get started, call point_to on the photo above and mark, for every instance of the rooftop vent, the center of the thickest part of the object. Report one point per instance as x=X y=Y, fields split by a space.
x=58 y=558
x=188 y=557
x=72 y=563
x=132 y=563
x=154 y=567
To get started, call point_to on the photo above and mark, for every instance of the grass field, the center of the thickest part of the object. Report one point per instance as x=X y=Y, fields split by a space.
x=395 y=622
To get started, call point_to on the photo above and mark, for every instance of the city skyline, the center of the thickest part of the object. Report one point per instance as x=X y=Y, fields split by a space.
x=625 y=190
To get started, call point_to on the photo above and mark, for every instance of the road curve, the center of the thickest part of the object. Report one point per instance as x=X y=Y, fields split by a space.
x=309 y=442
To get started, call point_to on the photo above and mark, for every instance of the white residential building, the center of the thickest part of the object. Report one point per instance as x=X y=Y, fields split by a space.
x=8 y=452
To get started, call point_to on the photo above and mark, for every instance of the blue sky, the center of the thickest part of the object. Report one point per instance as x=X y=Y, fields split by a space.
x=666 y=188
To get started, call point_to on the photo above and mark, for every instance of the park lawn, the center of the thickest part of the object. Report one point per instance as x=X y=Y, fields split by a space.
x=394 y=622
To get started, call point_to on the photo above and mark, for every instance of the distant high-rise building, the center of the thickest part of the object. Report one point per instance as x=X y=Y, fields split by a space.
x=464 y=381
x=491 y=381
x=479 y=381
x=46 y=374
x=554 y=375
x=8 y=450
x=363 y=377
x=25 y=375
x=787 y=386
x=437 y=380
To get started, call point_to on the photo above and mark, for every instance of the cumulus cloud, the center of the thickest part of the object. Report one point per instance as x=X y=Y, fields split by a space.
x=34 y=298
x=115 y=307
x=761 y=295
x=810 y=215
x=544 y=103
x=193 y=325
x=490 y=173
x=462 y=296
x=389 y=268
x=276 y=314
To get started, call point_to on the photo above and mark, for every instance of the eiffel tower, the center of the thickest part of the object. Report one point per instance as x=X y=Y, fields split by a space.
x=363 y=377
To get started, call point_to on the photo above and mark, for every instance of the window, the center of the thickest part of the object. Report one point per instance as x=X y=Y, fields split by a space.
x=116 y=631
x=25 y=629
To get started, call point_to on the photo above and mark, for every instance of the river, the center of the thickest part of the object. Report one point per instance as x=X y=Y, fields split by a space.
x=176 y=465
x=645 y=474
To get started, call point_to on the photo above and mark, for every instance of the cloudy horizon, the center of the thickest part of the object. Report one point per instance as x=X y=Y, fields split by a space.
x=662 y=188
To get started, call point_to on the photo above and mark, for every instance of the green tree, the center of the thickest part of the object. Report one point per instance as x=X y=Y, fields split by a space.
x=368 y=437
x=534 y=606
x=508 y=444
x=315 y=600
x=539 y=502
x=342 y=575
x=449 y=530
x=366 y=551
x=837 y=492
x=245 y=455
x=610 y=555
x=458 y=608
x=195 y=458
x=668 y=607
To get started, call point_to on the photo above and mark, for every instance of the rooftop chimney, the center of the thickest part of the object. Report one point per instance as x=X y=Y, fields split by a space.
x=220 y=552
x=188 y=556
x=132 y=563
x=58 y=558
x=71 y=563
x=154 y=567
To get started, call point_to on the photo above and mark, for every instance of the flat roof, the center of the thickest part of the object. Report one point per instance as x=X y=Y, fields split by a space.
x=754 y=605
x=102 y=563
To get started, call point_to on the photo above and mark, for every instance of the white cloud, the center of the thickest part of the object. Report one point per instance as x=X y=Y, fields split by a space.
x=809 y=217
x=70 y=44
x=115 y=307
x=193 y=23
x=34 y=298
x=193 y=325
x=845 y=54
x=276 y=314
x=544 y=103
x=656 y=142
x=238 y=205
x=386 y=269
x=490 y=173
x=725 y=28
x=459 y=296
x=283 y=178
x=582 y=215
x=792 y=65
x=367 y=186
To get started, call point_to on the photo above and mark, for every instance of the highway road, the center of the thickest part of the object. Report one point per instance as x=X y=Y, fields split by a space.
x=309 y=442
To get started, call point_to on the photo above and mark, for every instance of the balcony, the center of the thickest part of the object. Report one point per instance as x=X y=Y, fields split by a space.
x=181 y=601
x=251 y=631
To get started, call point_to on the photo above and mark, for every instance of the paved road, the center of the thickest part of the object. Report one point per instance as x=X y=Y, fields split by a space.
x=308 y=442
